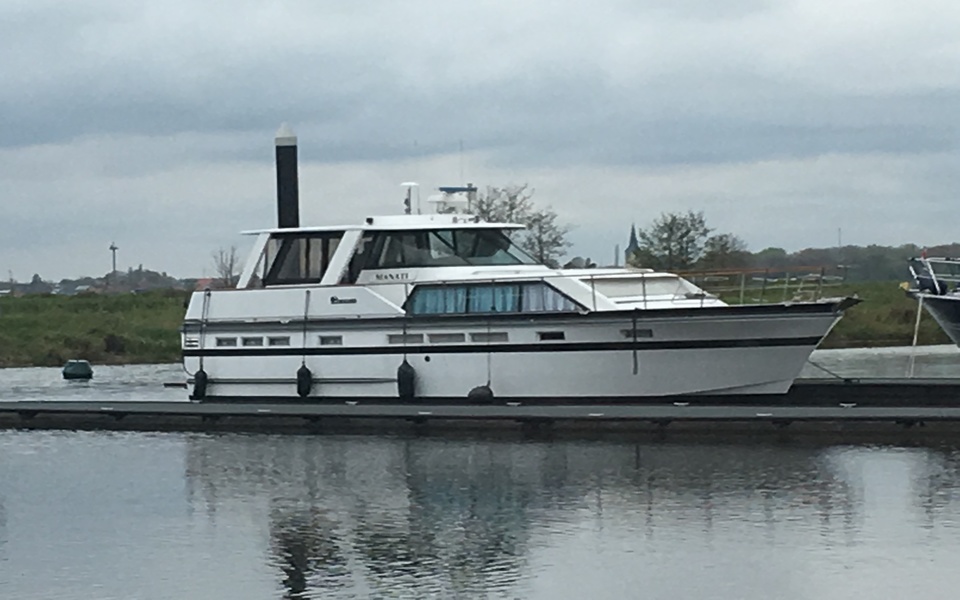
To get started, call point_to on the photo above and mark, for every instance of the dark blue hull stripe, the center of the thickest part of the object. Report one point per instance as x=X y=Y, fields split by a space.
x=543 y=347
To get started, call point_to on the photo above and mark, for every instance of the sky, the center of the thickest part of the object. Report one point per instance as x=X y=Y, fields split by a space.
x=791 y=124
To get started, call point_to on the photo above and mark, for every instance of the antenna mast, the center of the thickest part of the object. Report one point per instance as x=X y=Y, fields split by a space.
x=407 y=200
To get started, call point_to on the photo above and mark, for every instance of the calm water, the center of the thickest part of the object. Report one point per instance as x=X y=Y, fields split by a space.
x=106 y=515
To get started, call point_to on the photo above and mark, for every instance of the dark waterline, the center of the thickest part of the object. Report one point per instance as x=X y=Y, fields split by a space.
x=105 y=515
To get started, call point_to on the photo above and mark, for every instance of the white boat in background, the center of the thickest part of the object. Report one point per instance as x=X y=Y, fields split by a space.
x=446 y=308
x=936 y=285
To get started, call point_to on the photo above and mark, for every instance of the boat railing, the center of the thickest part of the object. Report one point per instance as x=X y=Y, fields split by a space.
x=767 y=284
x=732 y=286
x=935 y=274
x=942 y=269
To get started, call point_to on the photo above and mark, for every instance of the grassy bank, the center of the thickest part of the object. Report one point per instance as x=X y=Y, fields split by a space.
x=120 y=329
x=143 y=328
x=886 y=317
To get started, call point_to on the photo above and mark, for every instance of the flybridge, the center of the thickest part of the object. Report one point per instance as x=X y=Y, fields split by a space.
x=337 y=255
x=306 y=255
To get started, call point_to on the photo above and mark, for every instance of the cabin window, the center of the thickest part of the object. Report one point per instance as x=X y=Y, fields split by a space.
x=495 y=298
x=408 y=338
x=278 y=341
x=253 y=341
x=551 y=335
x=223 y=342
x=641 y=333
x=331 y=340
x=444 y=248
x=360 y=258
x=671 y=287
x=297 y=258
x=526 y=297
x=493 y=336
x=447 y=338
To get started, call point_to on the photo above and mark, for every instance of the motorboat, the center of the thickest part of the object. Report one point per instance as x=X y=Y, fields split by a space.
x=936 y=286
x=445 y=307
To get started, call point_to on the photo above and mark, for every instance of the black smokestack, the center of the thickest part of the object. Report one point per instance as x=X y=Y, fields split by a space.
x=288 y=186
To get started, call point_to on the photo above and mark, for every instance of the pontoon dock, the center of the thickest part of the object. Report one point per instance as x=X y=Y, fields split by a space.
x=811 y=405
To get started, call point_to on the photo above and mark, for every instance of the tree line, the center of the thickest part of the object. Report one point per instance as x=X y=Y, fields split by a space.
x=683 y=241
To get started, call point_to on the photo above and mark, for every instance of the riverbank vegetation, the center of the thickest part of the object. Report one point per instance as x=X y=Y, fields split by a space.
x=677 y=241
x=47 y=330
x=884 y=317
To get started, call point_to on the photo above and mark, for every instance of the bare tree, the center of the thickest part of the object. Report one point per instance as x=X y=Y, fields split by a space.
x=226 y=265
x=510 y=204
x=543 y=238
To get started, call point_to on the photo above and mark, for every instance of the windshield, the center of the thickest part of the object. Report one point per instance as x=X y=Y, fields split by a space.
x=445 y=247
x=643 y=286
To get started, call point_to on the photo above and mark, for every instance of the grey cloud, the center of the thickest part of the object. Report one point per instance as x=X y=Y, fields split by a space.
x=370 y=97
x=129 y=108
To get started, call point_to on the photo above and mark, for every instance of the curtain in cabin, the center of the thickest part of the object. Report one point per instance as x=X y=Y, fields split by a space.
x=492 y=298
x=495 y=298
x=439 y=300
x=539 y=297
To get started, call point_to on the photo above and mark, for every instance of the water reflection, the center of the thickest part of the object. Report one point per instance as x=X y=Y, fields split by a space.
x=192 y=515
x=438 y=517
x=937 y=479
x=304 y=543
x=376 y=516
x=3 y=530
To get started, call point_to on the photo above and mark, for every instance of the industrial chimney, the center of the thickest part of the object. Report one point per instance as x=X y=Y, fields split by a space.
x=288 y=186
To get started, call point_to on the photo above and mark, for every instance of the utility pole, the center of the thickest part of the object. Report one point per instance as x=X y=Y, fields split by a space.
x=113 y=273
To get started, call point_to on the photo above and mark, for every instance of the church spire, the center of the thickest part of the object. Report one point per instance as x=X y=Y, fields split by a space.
x=633 y=246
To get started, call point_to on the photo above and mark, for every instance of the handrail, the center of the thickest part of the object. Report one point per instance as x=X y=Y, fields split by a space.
x=928 y=265
x=677 y=289
x=753 y=284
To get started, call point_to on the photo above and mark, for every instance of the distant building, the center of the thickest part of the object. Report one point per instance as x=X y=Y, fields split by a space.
x=204 y=283
x=633 y=246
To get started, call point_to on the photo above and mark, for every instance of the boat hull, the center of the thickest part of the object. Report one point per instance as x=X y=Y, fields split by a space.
x=945 y=310
x=620 y=356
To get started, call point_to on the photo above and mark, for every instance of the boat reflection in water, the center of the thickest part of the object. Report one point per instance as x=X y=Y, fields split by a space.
x=3 y=530
x=429 y=517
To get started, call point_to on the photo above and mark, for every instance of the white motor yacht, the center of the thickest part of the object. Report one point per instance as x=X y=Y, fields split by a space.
x=447 y=308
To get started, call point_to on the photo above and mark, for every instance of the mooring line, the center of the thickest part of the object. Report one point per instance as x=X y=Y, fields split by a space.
x=826 y=370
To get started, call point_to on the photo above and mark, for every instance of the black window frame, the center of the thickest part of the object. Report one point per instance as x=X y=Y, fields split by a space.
x=381 y=237
x=286 y=244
